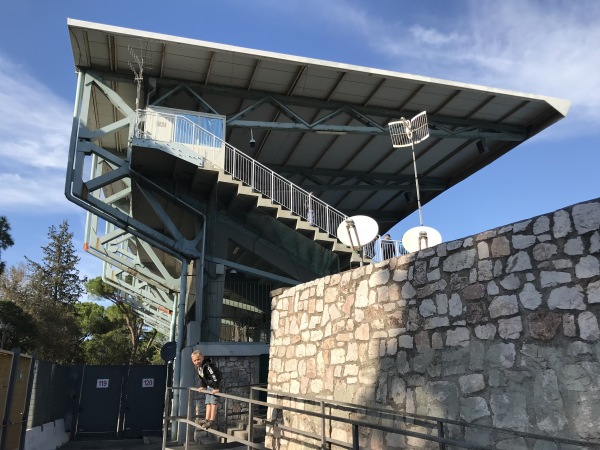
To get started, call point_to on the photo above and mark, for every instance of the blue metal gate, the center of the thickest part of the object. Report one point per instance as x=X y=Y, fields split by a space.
x=121 y=402
x=145 y=401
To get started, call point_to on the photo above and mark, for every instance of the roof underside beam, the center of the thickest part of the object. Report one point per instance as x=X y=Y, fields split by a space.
x=436 y=129
x=370 y=118
x=373 y=120
x=369 y=181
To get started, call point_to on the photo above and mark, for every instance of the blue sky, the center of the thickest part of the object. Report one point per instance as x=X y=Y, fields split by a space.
x=544 y=47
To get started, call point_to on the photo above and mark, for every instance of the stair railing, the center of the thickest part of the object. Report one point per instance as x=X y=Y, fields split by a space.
x=166 y=127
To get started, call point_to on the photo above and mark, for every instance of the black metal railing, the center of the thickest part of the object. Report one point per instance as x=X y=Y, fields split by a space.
x=281 y=407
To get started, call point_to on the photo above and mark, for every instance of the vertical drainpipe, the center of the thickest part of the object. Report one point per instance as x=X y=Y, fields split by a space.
x=180 y=325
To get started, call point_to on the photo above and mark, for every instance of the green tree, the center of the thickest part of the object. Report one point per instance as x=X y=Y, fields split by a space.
x=141 y=339
x=5 y=240
x=53 y=288
x=58 y=333
x=58 y=276
x=112 y=348
x=15 y=285
x=23 y=332
x=92 y=320
x=58 y=329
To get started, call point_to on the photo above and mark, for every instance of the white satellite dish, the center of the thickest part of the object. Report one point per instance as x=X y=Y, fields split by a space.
x=357 y=231
x=419 y=238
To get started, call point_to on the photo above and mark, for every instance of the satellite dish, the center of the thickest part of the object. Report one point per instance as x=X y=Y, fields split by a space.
x=357 y=231
x=168 y=351
x=419 y=238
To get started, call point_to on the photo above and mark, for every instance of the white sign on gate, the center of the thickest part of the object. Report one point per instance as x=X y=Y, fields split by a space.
x=147 y=382
x=101 y=383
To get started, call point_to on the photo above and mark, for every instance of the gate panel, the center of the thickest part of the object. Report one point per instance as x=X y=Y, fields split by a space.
x=145 y=401
x=17 y=419
x=6 y=361
x=15 y=373
x=100 y=401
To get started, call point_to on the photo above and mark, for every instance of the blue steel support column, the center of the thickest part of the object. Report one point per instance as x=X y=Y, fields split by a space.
x=180 y=324
x=74 y=131
x=175 y=315
x=200 y=277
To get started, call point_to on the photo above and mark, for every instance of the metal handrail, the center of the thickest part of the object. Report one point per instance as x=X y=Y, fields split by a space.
x=387 y=248
x=243 y=168
x=355 y=416
x=408 y=418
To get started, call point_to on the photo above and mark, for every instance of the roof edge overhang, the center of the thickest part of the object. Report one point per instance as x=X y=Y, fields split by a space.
x=559 y=105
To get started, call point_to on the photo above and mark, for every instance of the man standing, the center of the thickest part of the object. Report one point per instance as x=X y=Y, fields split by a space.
x=209 y=377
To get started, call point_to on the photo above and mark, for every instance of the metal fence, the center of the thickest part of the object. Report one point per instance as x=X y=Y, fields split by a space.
x=387 y=248
x=246 y=314
x=53 y=393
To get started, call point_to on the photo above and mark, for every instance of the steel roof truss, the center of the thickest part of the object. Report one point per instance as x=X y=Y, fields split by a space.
x=114 y=248
x=440 y=124
x=141 y=310
x=89 y=191
x=125 y=281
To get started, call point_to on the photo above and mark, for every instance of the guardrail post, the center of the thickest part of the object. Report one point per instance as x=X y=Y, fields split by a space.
x=355 y=436
x=233 y=164
x=251 y=416
x=323 y=443
x=440 y=427
x=167 y=412
x=189 y=417
x=226 y=408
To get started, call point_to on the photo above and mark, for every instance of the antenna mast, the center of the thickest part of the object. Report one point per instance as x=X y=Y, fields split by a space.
x=406 y=133
x=137 y=67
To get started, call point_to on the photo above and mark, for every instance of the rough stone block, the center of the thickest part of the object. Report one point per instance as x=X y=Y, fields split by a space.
x=477 y=312
x=588 y=326
x=586 y=217
x=544 y=325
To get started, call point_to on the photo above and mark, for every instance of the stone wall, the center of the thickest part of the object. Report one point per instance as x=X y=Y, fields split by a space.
x=499 y=329
x=239 y=372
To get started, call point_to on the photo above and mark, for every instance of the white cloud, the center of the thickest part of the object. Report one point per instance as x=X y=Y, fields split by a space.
x=546 y=48
x=44 y=191
x=34 y=142
x=433 y=37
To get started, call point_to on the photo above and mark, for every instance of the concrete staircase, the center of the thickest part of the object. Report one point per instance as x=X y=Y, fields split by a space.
x=239 y=429
x=204 y=178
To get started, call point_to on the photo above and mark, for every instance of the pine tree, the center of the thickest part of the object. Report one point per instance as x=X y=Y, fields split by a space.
x=141 y=342
x=22 y=332
x=55 y=287
x=5 y=240
x=58 y=276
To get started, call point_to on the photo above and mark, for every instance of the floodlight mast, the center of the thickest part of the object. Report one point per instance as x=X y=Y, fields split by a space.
x=406 y=132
